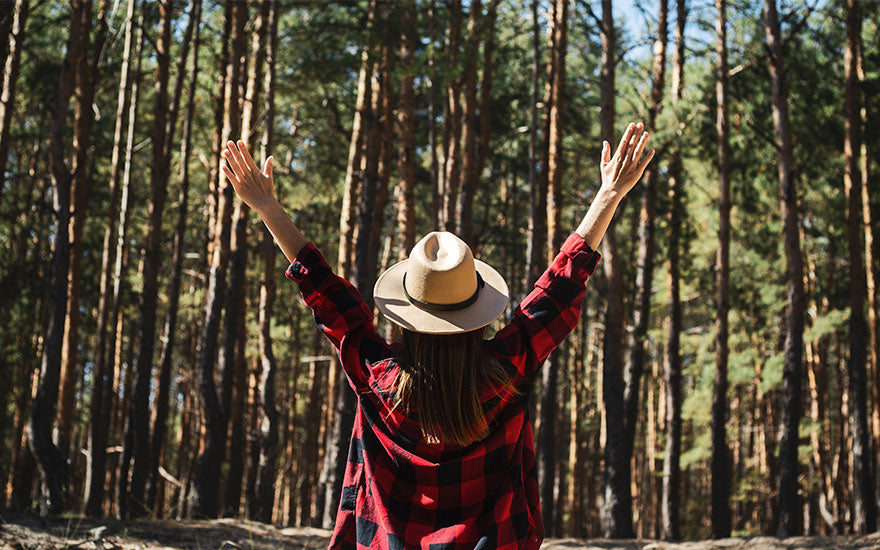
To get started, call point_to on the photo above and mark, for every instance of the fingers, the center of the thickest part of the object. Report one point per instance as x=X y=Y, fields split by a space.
x=246 y=155
x=606 y=152
x=645 y=161
x=624 y=141
x=267 y=167
x=640 y=146
x=233 y=157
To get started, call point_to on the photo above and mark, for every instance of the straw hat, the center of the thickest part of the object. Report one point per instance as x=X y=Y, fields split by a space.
x=441 y=288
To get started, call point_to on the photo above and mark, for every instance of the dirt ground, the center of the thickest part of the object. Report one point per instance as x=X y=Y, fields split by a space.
x=27 y=532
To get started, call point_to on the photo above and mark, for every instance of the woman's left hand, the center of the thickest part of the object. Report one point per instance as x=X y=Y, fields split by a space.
x=254 y=186
x=621 y=172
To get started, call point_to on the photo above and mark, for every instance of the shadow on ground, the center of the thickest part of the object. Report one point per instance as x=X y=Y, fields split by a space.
x=29 y=532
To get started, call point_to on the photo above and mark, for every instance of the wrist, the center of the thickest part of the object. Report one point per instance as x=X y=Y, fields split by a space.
x=266 y=205
x=608 y=194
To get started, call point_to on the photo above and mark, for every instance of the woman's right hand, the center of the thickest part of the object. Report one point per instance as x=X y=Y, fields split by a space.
x=254 y=186
x=621 y=172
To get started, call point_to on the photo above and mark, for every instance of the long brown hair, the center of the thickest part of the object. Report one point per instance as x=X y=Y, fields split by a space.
x=440 y=379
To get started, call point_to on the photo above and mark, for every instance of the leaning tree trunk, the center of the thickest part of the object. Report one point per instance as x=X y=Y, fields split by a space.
x=671 y=504
x=98 y=422
x=721 y=466
x=53 y=466
x=616 y=507
x=645 y=264
x=864 y=503
x=547 y=444
x=206 y=472
x=170 y=330
x=792 y=371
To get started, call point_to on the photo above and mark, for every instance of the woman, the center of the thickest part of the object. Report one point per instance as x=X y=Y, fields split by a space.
x=441 y=453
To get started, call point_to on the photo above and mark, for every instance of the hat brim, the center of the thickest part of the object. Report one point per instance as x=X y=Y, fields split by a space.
x=389 y=296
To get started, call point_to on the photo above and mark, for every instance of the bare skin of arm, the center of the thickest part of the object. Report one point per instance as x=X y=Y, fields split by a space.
x=620 y=173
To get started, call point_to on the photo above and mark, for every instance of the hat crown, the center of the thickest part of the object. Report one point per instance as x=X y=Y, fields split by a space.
x=441 y=270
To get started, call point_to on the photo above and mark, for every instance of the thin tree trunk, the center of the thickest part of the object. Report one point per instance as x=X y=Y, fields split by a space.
x=52 y=464
x=10 y=74
x=616 y=509
x=139 y=417
x=645 y=263
x=672 y=376
x=406 y=205
x=268 y=457
x=537 y=186
x=864 y=505
x=453 y=121
x=170 y=329
x=468 y=176
x=721 y=467
x=547 y=435
x=203 y=500
x=98 y=423
x=84 y=117
x=114 y=346
x=789 y=507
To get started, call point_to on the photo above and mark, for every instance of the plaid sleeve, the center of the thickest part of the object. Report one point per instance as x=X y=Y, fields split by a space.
x=340 y=312
x=546 y=316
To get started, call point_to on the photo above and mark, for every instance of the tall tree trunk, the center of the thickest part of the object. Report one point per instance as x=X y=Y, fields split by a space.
x=232 y=364
x=10 y=74
x=616 y=512
x=139 y=417
x=792 y=373
x=453 y=121
x=547 y=443
x=671 y=469
x=468 y=177
x=864 y=505
x=721 y=467
x=98 y=422
x=203 y=499
x=537 y=185
x=170 y=329
x=870 y=275
x=52 y=464
x=114 y=346
x=406 y=204
x=84 y=117
x=645 y=263
x=265 y=483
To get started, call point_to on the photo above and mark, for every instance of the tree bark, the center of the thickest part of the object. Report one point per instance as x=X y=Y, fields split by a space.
x=671 y=505
x=537 y=185
x=547 y=435
x=268 y=458
x=720 y=466
x=864 y=503
x=616 y=507
x=464 y=225
x=792 y=374
x=645 y=263
x=203 y=499
x=170 y=330
x=453 y=121
x=52 y=464
x=84 y=117
x=406 y=167
x=98 y=425
x=13 y=48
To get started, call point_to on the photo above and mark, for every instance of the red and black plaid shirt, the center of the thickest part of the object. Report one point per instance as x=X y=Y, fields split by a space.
x=401 y=491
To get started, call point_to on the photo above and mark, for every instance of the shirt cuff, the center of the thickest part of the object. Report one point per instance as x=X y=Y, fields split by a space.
x=308 y=258
x=583 y=258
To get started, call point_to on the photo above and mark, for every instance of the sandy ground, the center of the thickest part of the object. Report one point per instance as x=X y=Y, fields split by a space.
x=26 y=532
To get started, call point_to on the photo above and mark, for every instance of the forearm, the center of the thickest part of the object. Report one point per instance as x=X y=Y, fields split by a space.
x=598 y=217
x=286 y=234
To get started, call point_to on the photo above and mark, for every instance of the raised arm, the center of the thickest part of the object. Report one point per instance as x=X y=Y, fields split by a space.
x=256 y=189
x=619 y=174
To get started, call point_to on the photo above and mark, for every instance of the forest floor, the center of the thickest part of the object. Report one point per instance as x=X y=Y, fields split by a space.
x=25 y=532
